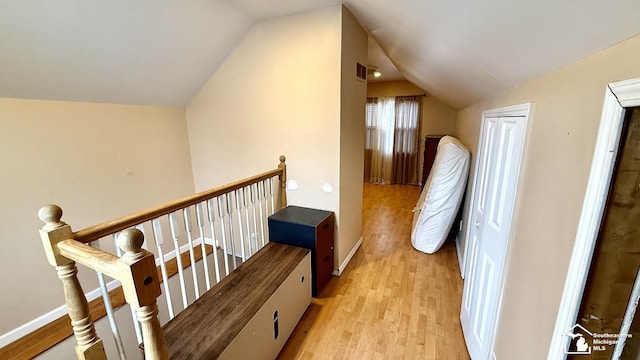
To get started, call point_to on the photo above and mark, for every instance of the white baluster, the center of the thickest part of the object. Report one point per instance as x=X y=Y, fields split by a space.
x=240 y=230
x=221 y=213
x=136 y=323
x=265 y=196
x=246 y=218
x=260 y=190
x=200 y=222
x=211 y=218
x=255 y=214
x=174 y=235
x=187 y=227
x=231 y=237
x=157 y=236
x=273 y=203
x=109 y=309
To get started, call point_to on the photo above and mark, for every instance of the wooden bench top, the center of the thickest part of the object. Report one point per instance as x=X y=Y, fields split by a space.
x=205 y=328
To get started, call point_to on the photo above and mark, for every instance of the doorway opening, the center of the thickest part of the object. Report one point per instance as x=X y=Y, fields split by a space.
x=619 y=98
x=615 y=260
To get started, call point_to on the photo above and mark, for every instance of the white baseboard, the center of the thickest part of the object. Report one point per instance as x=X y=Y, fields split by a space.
x=54 y=314
x=338 y=271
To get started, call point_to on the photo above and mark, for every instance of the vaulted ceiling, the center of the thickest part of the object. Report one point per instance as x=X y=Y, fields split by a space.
x=161 y=52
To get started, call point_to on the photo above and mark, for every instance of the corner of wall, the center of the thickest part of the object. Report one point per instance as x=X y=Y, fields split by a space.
x=353 y=92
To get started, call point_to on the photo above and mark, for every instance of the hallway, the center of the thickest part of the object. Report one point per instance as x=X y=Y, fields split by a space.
x=391 y=302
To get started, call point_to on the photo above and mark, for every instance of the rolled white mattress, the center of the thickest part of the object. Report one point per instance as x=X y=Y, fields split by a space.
x=441 y=197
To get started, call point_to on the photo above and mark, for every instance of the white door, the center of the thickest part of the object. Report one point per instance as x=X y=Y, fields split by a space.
x=497 y=169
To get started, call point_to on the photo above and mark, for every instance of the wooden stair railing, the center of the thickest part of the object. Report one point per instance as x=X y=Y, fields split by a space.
x=135 y=269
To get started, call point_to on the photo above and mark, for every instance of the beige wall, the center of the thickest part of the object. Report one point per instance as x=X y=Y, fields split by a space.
x=278 y=92
x=437 y=118
x=96 y=161
x=353 y=95
x=561 y=135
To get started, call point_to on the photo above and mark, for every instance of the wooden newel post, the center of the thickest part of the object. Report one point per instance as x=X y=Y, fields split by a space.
x=88 y=345
x=141 y=288
x=283 y=181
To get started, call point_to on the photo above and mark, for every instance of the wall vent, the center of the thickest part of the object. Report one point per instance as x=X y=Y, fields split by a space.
x=361 y=71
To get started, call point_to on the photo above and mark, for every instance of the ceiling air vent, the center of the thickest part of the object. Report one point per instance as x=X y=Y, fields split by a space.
x=361 y=71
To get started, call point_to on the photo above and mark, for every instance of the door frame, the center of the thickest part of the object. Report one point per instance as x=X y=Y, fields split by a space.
x=520 y=111
x=618 y=96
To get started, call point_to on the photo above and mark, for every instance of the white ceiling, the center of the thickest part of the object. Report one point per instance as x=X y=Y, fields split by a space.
x=162 y=51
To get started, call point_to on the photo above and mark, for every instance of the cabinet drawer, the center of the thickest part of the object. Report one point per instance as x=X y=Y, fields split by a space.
x=324 y=269
x=324 y=236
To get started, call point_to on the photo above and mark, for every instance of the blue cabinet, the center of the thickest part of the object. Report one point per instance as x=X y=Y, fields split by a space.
x=308 y=228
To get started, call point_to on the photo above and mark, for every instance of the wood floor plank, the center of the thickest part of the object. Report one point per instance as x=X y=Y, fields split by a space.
x=392 y=302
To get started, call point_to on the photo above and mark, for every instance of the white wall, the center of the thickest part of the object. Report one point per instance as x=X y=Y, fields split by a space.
x=279 y=92
x=97 y=161
x=561 y=135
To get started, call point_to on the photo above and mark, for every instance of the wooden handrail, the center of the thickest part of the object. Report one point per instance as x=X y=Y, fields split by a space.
x=110 y=227
x=62 y=245
x=54 y=332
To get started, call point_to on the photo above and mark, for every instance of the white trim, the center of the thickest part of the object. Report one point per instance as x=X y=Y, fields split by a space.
x=338 y=271
x=184 y=248
x=508 y=111
x=627 y=92
x=52 y=315
x=617 y=96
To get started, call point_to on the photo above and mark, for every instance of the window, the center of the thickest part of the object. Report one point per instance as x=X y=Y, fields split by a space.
x=372 y=114
x=392 y=138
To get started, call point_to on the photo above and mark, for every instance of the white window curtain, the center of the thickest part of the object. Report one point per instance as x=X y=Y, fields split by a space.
x=383 y=123
x=406 y=140
x=392 y=138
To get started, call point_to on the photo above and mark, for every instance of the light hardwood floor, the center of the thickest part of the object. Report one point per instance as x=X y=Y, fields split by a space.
x=391 y=302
